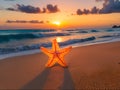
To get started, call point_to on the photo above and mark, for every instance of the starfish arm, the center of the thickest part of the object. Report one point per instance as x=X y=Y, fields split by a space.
x=50 y=62
x=62 y=62
x=46 y=51
x=63 y=52
x=55 y=45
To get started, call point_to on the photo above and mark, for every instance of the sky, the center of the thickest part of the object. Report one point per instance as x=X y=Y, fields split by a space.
x=48 y=14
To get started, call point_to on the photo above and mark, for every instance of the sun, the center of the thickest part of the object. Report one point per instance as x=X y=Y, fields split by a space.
x=58 y=23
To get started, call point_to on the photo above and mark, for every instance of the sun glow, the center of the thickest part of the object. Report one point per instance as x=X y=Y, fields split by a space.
x=58 y=23
x=59 y=39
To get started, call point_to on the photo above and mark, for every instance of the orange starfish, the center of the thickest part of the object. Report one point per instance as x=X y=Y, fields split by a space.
x=56 y=55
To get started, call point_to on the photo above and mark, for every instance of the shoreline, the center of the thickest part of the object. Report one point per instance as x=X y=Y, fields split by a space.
x=30 y=52
x=89 y=67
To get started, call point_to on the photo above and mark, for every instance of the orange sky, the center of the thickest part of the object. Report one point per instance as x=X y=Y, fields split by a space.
x=65 y=16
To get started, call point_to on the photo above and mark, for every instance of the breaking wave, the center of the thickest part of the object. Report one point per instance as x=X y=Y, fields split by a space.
x=37 y=46
x=10 y=37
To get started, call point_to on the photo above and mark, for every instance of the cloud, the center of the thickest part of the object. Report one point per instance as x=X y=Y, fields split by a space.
x=31 y=9
x=25 y=9
x=52 y=9
x=44 y=10
x=79 y=12
x=35 y=21
x=11 y=9
x=24 y=21
x=86 y=11
x=95 y=10
x=109 y=6
x=28 y=9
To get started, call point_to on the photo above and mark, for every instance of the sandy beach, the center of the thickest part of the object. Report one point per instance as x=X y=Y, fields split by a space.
x=89 y=67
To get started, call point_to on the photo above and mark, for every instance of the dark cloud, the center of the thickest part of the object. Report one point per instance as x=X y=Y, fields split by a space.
x=35 y=21
x=52 y=9
x=44 y=10
x=24 y=21
x=31 y=9
x=86 y=11
x=28 y=9
x=109 y=6
x=79 y=12
x=95 y=10
x=11 y=9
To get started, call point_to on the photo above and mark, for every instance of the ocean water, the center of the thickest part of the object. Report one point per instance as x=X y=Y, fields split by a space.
x=21 y=42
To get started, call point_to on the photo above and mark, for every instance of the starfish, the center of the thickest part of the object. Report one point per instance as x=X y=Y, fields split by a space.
x=56 y=55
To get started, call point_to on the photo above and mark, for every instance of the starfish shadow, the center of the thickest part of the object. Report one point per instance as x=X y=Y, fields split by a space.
x=68 y=83
x=39 y=81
